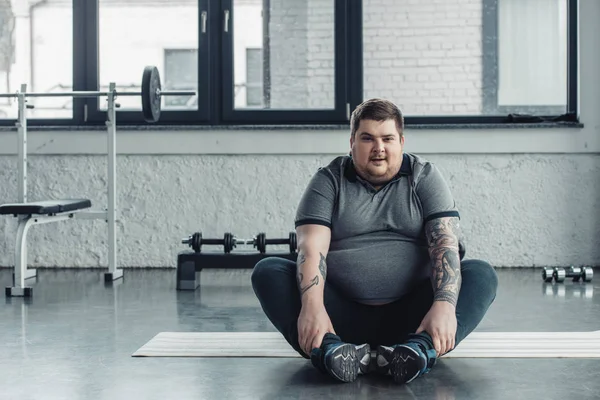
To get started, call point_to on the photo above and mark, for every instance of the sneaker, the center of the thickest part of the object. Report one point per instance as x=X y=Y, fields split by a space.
x=403 y=362
x=343 y=361
x=363 y=352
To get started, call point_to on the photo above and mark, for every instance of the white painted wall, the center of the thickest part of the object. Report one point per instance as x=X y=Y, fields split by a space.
x=528 y=197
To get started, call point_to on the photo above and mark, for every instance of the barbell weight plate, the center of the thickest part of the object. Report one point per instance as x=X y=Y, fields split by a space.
x=588 y=274
x=150 y=98
x=547 y=274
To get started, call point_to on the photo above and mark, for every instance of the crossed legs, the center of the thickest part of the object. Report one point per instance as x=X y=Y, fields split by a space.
x=274 y=283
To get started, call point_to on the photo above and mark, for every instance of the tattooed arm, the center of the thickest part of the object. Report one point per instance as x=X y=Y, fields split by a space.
x=311 y=272
x=311 y=267
x=440 y=322
x=442 y=236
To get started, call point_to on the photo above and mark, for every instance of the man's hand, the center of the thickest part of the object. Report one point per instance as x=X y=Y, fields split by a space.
x=313 y=324
x=440 y=323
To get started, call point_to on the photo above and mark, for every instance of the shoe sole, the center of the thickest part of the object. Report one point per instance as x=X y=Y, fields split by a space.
x=405 y=364
x=343 y=363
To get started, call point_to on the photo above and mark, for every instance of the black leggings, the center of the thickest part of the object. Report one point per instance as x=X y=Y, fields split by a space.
x=274 y=283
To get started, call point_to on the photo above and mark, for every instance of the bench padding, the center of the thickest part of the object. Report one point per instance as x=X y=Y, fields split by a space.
x=45 y=207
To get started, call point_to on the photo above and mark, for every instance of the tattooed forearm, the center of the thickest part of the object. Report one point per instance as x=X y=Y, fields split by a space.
x=323 y=266
x=442 y=235
x=303 y=289
x=301 y=260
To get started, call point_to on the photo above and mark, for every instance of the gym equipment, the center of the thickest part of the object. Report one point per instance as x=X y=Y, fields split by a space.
x=261 y=242
x=47 y=211
x=229 y=242
x=190 y=264
x=151 y=94
x=560 y=274
x=547 y=274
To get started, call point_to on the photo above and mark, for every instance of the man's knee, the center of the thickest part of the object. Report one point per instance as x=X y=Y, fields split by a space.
x=267 y=270
x=482 y=274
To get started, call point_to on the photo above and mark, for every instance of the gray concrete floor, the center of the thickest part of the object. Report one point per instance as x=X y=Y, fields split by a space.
x=75 y=337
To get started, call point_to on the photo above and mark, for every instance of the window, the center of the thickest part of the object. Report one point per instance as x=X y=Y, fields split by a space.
x=294 y=62
x=181 y=73
x=133 y=34
x=473 y=57
x=254 y=79
x=303 y=70
x=530 y=77
x=425 y=56
x=36 y=49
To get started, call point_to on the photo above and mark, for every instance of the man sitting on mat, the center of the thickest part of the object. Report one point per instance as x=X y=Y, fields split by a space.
x=378 y=261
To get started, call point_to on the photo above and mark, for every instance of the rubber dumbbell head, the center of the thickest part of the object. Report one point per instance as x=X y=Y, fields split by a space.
x=260 y=242
x=194 y=241
x=559 y=274
x=293 y=242
x=228 y=242
x=547 y=274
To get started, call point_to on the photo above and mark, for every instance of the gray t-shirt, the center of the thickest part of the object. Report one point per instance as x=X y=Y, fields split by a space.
x=378 y=249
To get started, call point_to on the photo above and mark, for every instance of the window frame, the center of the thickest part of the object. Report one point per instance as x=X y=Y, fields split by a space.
x=490 y=67
x=337 y=115
x=215 y=75
x=93 y=115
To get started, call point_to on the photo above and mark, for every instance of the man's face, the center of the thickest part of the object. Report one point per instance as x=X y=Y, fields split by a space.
x=377 y=151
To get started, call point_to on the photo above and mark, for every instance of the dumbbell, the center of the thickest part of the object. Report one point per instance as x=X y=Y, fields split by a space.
x=560 y=274
x=196 y=241
x=261 y=242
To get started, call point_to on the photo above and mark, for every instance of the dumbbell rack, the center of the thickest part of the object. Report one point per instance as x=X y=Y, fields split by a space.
x=191 y=263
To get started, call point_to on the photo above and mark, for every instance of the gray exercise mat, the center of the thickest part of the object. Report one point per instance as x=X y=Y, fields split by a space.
x=476 y=345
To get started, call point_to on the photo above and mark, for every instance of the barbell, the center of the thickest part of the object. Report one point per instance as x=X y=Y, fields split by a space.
x=151 y=94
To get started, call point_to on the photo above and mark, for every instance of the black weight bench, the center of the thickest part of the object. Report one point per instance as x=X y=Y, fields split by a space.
x=47 y=207
x=39 y=212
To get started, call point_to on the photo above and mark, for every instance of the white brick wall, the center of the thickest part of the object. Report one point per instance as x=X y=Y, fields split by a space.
x=288 y=54
x=302 y=54
x=321 y=51
x=425 y=55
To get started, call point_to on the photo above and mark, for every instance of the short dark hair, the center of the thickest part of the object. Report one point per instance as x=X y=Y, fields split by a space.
x=377 y=110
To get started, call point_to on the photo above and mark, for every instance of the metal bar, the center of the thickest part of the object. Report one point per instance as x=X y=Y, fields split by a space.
x=21 y=245
x=112 y=184
x=65 y=94
x=178 y=93
x=22 y=143
x=21 y=254
x=100 y=94
x=90 y=215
